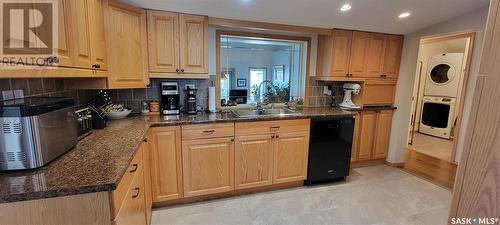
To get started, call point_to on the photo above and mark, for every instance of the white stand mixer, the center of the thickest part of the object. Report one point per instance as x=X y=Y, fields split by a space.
x=349 y=90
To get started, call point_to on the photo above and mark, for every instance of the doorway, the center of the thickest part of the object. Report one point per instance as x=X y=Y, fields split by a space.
x=437 y=105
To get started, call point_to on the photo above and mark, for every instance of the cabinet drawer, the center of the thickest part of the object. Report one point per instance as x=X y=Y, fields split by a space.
x=379 y=93
x=207 y=131
x=118 y=196
x=133 y=210
x=265 y=127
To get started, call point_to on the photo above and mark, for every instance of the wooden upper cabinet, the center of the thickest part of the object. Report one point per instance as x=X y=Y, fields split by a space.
x=64 y=48
x=290 y=157
x=375 y=55
x=163 y=41
x=97 y=37
x=341 y=51
x=253 y=161
x=81 y=33
x=358 y=57
x=193 y=43
x=208 y=166
x=382 y=134
x=166 y=163
x=392 y=57
x=367 y=135
x=126 y=45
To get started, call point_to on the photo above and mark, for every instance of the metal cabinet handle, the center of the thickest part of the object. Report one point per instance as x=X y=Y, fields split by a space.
x=137 y=191
x=277 y=136
x=177 y=70
x=145 y=140
x=275 y=127
x=135 y=166
x=232 y=139
x=208 y=131
x=182 y=70
x=273 y=136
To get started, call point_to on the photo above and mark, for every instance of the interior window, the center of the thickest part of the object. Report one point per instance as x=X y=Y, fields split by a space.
x=256 y=78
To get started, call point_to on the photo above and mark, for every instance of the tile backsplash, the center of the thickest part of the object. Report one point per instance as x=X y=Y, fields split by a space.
x=316 y=96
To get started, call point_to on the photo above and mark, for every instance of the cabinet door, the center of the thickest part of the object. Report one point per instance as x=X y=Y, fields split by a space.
x=392 y=58
x=64 y=49
x=193 y=43
x=163 y=41
x=375 y=55
x=97 y=41
x=357 y=61
x=166 y=166
x=208 y=166
x=379 y=93
x=382 y=134
x=127 y=46
x=367 y=135
x=81 y=33
x=341 y=51
x=253 y=161
x=290 y=157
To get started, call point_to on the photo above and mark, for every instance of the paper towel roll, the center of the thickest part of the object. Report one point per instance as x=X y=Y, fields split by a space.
x=211 y=99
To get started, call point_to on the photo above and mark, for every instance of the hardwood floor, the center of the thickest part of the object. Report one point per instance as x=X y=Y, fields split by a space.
x=436 y=170
x=432 y=146
x=374 y=195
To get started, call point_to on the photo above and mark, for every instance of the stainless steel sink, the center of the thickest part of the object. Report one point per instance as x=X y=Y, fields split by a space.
x=246 y=113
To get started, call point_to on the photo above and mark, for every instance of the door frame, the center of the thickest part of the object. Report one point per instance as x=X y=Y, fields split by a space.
x=471 y=35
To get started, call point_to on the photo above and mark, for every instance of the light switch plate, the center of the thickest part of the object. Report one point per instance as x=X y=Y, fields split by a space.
x=327 y=91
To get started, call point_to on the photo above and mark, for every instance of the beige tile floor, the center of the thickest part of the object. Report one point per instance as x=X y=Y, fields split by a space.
x=374 y=195
x=432 y=146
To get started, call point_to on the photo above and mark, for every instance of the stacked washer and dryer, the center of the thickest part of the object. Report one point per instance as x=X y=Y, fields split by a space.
x=440 y=94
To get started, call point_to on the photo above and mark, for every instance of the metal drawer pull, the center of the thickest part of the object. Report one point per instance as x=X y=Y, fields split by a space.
x=208 y=131
x=135 y=168
x=137 y=193
x=275 y=127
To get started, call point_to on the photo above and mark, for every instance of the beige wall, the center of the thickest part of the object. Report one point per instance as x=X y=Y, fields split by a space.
x=473 y=21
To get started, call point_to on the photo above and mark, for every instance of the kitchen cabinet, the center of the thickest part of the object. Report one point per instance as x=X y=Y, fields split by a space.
x=178 y=45
x=377 y=93
x=81 y=33
x=148 y=195
x=64 y=47
x=355 y=55
x=166 y=163
x=126 y=43
x=97 y=36
x=254 y=160
x=290 y=156
x=208 y=166
x=373 y=135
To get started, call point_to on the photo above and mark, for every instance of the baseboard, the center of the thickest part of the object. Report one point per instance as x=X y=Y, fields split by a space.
x=365 y=163
x=398 y=165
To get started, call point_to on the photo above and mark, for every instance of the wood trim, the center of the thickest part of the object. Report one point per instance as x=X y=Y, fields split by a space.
x=179 y=76
x=446 y=37
x=266 y=26
x=237 y=192
x=397 y=165
x=218 y=34
x=365 y=163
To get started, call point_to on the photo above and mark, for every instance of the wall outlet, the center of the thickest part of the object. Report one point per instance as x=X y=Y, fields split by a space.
x=327 y=90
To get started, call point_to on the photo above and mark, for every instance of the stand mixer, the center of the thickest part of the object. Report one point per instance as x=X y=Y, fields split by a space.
x=349 y=90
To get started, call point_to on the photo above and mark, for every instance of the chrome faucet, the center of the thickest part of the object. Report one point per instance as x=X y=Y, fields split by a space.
x=260 y=99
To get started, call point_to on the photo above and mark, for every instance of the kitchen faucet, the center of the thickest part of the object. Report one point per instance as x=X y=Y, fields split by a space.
x=259 y=101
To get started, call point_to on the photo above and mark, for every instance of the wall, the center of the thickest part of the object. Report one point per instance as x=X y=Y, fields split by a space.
x=474 y=21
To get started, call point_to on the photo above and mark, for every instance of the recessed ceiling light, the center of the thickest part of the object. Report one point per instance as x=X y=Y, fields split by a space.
x=404 y=15
x=345 y=7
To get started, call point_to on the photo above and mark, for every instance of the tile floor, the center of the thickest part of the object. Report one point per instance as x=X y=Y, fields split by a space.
x=432 y=146
x=374 y=195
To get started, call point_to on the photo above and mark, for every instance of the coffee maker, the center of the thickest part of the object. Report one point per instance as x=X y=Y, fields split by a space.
x=191 y=100
x=170 y=98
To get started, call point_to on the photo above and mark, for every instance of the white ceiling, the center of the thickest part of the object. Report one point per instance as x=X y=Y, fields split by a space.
x=369 y=15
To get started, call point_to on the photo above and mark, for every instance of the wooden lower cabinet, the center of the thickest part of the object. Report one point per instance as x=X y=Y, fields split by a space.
x=208 y=166
x=253 y=161
x=290 y=157
x=166 y=163
x=133 y=209
x=373 y=135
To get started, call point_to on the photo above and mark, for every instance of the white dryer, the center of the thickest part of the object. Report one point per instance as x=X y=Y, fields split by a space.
x=437 y=117
x=443 y=75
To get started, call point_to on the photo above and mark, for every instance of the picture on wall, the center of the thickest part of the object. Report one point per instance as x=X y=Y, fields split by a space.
x=279 y=72
x=241 y=82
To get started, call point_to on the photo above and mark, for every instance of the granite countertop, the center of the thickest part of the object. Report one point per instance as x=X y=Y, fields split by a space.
x=99 y=161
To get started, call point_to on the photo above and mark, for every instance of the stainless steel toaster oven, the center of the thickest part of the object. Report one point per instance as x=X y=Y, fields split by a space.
x=35 y=130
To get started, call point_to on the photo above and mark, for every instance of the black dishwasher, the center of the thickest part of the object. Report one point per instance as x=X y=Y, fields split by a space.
x=329 y=149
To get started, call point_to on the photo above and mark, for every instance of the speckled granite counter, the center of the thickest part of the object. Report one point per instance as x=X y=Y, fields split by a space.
x=99 y=161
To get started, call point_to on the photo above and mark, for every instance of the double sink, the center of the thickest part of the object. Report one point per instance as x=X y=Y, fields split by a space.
x=252 y=113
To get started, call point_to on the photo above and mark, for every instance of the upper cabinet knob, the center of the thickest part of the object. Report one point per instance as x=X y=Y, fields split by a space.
x=182 y=70
x=177 y=70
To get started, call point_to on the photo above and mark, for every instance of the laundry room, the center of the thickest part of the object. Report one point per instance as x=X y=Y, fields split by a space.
x=438 y=97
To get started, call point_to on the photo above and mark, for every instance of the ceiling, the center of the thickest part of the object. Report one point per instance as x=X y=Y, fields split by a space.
x=369 y=15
